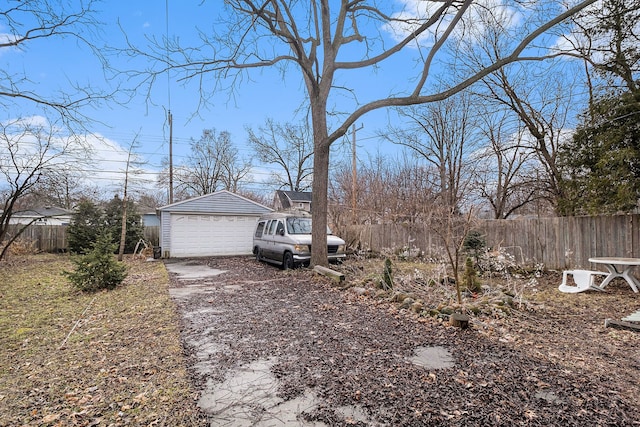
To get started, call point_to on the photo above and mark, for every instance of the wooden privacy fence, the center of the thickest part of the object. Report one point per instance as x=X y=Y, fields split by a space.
x=557 y=243
x=44 y=238
x=152 y=235
x=53 y=238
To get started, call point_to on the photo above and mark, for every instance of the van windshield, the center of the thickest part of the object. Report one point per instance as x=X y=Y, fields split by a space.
x=300 y=226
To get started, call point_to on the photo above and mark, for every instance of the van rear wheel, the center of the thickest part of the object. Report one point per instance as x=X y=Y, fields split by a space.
x=287 y=261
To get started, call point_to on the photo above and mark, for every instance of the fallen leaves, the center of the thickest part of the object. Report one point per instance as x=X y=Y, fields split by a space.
x=353 y=349
x=47 y=419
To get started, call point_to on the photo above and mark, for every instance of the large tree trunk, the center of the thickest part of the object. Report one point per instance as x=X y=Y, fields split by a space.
x=319 y=199
x=318 y=95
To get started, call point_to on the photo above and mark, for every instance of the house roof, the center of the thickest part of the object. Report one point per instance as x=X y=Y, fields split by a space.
x=289 y=197
x=220 y=202
x=47 y=211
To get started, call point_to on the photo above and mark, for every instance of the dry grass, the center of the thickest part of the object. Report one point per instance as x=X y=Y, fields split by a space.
x=110 y=358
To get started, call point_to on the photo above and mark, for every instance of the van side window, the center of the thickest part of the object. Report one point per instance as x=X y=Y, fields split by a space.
x=272 y=226
x=280 y=228
x=259 y=229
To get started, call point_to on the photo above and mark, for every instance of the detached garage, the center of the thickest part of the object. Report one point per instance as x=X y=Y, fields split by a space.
x=220 y=223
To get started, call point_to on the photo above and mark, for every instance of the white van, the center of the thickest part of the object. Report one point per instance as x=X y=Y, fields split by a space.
x=284 y=238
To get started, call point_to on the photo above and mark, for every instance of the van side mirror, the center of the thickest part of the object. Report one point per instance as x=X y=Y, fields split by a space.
x=281 y=232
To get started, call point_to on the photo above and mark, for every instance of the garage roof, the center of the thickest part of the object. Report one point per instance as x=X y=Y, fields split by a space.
x=220 y=202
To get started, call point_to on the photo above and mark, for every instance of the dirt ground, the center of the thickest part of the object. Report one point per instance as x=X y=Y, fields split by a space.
x=545 y=359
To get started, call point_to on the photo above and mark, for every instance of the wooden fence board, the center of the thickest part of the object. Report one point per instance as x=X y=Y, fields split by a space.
x=46 y=238
x=557 y=243
x=53 y=238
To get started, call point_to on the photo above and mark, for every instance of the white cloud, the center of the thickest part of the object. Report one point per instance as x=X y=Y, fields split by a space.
x=475 y=23
x=30 y=121
x=6 y=38
x=109 y=160
x=100 y=162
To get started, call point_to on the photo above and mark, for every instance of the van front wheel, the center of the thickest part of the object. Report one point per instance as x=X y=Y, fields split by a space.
x=287 y=261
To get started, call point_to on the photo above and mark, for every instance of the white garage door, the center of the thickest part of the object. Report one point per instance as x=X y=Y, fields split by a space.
x=209 y=235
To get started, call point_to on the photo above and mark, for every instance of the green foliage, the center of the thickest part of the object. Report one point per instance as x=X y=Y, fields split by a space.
x=470 y=277
x=98 y=269
x=602 y=162
x=113 y=221
x=387 y=275
x=86 y=226
x=90 y=220
x=474 y=243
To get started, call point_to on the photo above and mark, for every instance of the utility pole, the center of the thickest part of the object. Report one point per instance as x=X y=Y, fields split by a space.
x=354 y=178
x=170 y=116
x=170 y=158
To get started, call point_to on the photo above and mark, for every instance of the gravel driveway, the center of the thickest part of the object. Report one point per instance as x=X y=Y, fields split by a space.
x=285 y=348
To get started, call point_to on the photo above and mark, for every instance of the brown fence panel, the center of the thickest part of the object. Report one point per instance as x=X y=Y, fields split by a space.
x=53 y=238
x=43 y=238
x=557 y=243
x=152 y=235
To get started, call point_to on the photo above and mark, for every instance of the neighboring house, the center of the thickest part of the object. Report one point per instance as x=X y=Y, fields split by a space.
x=42 y=216
x=220 y=223
x=150 y=219
x=292 y=200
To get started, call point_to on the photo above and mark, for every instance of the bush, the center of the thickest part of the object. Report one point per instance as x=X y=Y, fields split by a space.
x=113 y=222
x=474 y=244
x=98 y=269
x=470 y=278
x=387 y=275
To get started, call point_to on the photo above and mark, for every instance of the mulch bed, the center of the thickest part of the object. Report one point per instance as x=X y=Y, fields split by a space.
x=549 y=361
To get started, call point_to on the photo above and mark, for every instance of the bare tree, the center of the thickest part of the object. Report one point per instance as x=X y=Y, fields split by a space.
x=607 y=37
x=29 y=151
x=149 y=200
x=23 y=24
x=504 y=175
x=213 y=164
x=62 y=187
x=452 y=229
x=290 y=148
x=539 y=95
x=131 y=169
x=387 y=190
x=443 y=134
x=544 y=111
x=26 y=22
x=328 y=43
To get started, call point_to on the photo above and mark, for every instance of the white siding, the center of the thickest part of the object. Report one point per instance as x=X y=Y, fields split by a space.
x=221 y=223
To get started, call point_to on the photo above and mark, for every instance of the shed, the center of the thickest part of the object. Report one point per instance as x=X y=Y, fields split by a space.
x=220 y=223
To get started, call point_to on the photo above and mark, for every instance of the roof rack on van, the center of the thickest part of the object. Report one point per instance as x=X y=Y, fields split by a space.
x=286 y=213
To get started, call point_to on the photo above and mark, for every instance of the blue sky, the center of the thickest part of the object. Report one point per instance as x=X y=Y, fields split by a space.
x=50 y=62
